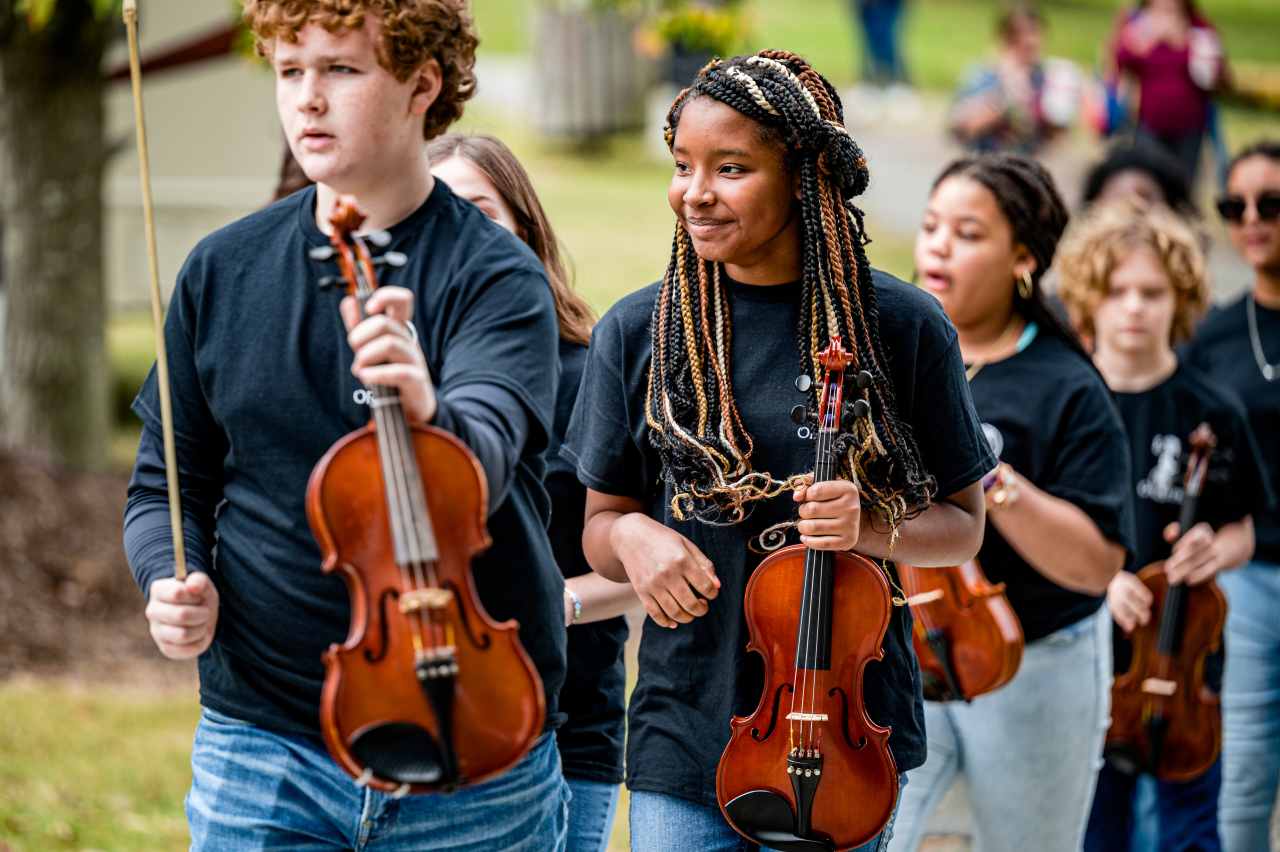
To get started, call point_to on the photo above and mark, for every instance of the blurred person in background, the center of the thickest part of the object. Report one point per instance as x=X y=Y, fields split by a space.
x=1238 y=345
x=1021 y=101
x=1175 y=57
x=1140 y=171
x=884 y=71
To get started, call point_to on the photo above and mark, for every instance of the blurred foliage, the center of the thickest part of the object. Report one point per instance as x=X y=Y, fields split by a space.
x=694 y=28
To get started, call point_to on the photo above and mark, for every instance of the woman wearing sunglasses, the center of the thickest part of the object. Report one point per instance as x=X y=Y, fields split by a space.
x=1239 y=345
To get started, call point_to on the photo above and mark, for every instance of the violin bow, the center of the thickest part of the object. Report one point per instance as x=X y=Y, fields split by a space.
x=157 y=313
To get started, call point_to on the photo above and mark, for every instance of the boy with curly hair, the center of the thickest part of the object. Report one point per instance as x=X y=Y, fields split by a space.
x=268 y=371
x=1133 y=280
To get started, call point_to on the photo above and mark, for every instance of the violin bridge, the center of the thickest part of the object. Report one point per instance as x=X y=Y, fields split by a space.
x=806 y=717
x=1159 y=686
x=420 y=599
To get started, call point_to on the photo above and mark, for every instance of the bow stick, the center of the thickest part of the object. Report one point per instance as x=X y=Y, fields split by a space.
x=157 y=314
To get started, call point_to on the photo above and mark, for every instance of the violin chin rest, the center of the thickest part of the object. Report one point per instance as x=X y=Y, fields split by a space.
x=400 y=752
x=768 y=820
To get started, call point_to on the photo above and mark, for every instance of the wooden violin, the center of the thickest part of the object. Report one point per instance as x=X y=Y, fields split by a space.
x=966 y=635
x=1164 y=719
x=427 y=693
x=809 y=770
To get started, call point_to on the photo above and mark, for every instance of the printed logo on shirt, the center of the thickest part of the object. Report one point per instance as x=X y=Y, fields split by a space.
x=1162 y=484
x=361 y=396
x=994 y=439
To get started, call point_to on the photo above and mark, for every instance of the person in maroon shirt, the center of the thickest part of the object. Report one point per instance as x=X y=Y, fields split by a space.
x=1175 y=56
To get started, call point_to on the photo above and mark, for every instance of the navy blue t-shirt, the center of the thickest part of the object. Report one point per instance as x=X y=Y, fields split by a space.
x=1158 y=422
x=1048 y=414
x=593 y=698
x=691 y=679
x=1223 y=351
x=260 y=374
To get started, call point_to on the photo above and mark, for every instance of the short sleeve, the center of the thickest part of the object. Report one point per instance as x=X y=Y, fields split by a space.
x=601 y=443
x=946 y=425
x=1090 y=466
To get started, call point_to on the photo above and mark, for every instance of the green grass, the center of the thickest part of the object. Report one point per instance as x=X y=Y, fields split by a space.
x=99 y=769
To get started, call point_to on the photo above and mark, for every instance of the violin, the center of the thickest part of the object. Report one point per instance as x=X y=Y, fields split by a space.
x=966 y=635
x=1164 y=719
x=427 y=693
x=808 y=770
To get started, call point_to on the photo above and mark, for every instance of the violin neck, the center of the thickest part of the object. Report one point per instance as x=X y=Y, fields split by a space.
x=813 y=638
x=412 y=535
x=1171 y=615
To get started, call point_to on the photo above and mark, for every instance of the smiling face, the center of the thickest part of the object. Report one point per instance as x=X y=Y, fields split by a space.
x=732 y=192
x=1135 y=317
x=467 y=181
x=350 y=123
x=966 y=255
x=1257 y=240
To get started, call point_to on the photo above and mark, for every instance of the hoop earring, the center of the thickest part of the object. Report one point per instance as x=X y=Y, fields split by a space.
x=1025 y=287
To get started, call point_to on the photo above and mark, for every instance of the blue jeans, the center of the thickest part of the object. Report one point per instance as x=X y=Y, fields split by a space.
x=881 y=24
x=591 y=812
x=1186 y=814
x=1250 y=706
x=1029 y=752
x=254 y=789
x=662 y=823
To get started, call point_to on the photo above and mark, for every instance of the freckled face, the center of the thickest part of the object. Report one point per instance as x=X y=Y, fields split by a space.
x=965 y=253
x=1136 y=315
x=733 y=193
x=470 y=183
x=350 y=124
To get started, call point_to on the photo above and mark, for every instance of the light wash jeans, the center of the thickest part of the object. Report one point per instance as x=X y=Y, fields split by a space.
x=591 y=812
x=1250 y=706
x=662 y=823
x=254 y=789
x=1029 y=752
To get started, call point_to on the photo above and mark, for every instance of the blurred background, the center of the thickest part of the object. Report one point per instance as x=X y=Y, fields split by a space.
x=94 y=727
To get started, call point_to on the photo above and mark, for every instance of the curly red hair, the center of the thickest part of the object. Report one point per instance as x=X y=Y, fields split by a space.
x=413 y=32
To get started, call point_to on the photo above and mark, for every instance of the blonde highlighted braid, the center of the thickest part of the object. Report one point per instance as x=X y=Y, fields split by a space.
x=690 y=409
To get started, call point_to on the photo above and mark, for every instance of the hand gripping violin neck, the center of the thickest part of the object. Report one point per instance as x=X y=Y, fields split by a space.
x=427 y=693
x=809 y=770
x=1165 y=720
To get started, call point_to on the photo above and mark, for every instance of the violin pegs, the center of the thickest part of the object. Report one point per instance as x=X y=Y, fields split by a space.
x=330 y=281
x=381 y=239
x=800 y=414
x=392 y=258
x=321 y=253
x=864 y=380
x=803 y=383
x=860 y=408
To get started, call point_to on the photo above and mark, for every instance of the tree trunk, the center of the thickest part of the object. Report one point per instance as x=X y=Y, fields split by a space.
x=53 y=370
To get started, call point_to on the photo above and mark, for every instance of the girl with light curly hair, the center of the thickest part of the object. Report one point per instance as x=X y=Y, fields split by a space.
x=1133 y=280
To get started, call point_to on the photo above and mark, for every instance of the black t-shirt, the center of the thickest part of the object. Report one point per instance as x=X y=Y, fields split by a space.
x=261 y=377
x=1158 y=422
x=594 y=694
x=1047 y=413
x=1223 y=352
x=692 y=678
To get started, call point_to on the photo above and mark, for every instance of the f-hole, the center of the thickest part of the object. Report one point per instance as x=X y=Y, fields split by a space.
x=844 y=724
x=483 y=641
x=388 y=596
x=773 y=718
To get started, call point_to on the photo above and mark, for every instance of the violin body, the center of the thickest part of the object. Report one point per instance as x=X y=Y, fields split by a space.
x=772 y=787
x=382 y=720
x=1164 y=719
x=966 y=635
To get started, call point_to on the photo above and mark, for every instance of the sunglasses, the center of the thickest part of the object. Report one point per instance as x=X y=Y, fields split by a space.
x=1232 y=207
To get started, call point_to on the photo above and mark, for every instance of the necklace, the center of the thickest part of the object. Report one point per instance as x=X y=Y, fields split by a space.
x=1024 y=340
x=1270 y=372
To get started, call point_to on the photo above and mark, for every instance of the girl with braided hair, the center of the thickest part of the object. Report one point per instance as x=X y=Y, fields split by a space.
x=1059 y=515
x=682 y=436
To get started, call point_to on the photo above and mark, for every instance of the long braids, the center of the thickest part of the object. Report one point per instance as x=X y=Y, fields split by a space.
x=690 y=407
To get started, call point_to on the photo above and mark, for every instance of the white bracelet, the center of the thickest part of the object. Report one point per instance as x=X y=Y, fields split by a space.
x=577 y=604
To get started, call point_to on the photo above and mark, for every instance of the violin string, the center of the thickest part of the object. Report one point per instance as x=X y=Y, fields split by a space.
x=420 y=522
x=822 y=558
